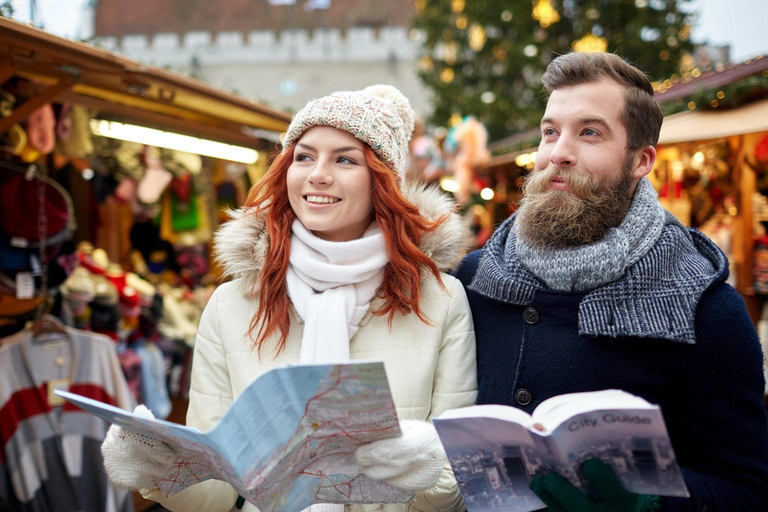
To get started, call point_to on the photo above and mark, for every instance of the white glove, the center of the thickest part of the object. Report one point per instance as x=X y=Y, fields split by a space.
x=413 y=461
x=134 y=461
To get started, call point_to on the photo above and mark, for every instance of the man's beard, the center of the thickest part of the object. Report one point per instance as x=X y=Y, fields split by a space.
x=579 y=215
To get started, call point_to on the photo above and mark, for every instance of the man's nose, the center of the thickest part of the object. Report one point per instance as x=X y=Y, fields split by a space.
x=564 y=153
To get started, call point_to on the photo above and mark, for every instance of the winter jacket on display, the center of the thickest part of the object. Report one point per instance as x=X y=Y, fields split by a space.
x=430 y=368
x=669 y=330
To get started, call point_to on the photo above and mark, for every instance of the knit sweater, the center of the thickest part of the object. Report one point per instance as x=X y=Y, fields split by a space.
x=669 y=330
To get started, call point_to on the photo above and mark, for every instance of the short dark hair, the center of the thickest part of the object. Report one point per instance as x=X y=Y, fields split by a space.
x=641 y=116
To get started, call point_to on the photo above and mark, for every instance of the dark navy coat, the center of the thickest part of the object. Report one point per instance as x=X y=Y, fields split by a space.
x=710 y=391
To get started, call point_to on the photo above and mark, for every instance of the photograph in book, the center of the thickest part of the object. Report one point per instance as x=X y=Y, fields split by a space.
x=495 y=451
x=288 y=441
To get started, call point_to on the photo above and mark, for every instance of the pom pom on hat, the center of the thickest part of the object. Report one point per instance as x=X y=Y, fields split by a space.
x=378 y=115
x=402 y=104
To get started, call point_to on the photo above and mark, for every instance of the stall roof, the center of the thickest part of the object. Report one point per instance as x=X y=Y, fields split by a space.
x=714 y=124
x=84 y=74
x=713 y=78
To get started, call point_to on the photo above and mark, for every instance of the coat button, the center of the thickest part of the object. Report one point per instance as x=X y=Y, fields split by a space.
x=523 y=396
x=530 y=316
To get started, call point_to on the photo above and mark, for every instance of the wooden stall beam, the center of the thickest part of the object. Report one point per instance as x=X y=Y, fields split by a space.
x=28 y=107
x=7 y=69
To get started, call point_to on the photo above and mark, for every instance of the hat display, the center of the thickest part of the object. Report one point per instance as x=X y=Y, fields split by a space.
x=79 y=143
x=378 y=115
x=41 y=129
x=19 y=207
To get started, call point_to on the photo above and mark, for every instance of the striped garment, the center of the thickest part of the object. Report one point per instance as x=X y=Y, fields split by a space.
x=50 y=458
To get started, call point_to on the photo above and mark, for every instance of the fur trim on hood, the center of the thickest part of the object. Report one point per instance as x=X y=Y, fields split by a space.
x=240 y=245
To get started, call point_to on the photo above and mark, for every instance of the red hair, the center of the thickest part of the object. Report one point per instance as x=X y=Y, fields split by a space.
x=400 y=222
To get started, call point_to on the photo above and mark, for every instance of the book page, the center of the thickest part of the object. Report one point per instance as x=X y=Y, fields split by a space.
x=633 y=442
x=494 y=459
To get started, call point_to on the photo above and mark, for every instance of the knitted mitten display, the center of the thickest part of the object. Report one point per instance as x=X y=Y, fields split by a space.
x=561 y=496
x=134 y=461
x=413 y=461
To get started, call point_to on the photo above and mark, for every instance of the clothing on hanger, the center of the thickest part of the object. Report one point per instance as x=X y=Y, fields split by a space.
x=50 y=457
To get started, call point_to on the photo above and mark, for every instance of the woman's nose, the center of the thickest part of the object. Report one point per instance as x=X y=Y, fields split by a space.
x=320 y=175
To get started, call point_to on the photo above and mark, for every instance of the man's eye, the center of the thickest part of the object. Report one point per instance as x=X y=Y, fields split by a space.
x=549 y=131
x=590 y=132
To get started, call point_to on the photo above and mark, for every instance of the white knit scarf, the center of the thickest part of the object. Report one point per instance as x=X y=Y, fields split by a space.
x=331 y=285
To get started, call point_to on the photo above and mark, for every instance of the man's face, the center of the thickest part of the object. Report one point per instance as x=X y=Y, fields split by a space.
x=583 y=180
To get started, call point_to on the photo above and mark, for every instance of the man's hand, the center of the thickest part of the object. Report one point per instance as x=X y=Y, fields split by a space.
x=561 y=496
x=413 y=461
x=134 y=461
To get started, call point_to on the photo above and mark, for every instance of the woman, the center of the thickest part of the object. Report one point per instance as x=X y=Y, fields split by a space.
x=333 y=261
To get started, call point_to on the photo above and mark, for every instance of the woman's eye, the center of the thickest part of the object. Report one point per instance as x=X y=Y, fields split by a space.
x=302 y=157
x=345 y=160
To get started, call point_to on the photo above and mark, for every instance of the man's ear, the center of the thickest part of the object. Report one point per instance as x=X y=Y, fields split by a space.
x=644 y=160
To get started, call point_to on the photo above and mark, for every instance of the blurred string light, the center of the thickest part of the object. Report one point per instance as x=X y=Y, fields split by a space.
x=477 y=37
x=426 y=64
x=447 y=75
x=451 y=52
x=591 y=43
x=176 y=141
x=461 y=22
x=487 y=194
x=488 y=97
x=449 y=184
x=506 y=16
x=545 y=14
x=525 y=159
x=457 y=5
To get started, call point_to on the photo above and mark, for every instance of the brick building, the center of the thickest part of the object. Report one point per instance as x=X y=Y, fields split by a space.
x=283 y=52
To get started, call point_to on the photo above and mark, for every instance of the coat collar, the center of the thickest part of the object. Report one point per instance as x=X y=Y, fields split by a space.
x=241 y=244
x=655 y=298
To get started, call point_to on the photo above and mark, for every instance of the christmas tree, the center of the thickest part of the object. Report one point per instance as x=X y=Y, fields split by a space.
x=486 y=57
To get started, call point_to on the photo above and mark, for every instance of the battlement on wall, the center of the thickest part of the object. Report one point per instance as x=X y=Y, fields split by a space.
x=264 y=46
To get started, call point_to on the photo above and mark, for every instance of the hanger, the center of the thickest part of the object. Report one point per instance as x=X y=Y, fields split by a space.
x=48 y=324
x=45 y=323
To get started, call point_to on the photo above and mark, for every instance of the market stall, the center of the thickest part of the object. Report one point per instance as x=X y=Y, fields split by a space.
x=113 y=177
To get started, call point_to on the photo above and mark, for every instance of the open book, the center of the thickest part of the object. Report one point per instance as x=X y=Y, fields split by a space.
x=496 y=450
x=287 y=441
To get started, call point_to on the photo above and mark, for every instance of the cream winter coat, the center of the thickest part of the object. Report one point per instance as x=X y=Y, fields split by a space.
x=430 y=368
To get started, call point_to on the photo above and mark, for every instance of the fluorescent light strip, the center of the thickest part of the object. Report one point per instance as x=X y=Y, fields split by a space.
x=161 y=139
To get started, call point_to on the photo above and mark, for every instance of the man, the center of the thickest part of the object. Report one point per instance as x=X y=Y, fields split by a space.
x=591 y=285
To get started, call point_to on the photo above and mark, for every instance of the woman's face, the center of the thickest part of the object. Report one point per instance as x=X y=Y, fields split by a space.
x=329 y=184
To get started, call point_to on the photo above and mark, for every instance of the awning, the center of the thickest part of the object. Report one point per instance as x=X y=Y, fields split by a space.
x=112 y=84
x=714 y=124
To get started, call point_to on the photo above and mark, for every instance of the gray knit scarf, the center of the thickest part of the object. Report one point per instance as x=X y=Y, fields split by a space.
x=656 y=297
x=586 y=267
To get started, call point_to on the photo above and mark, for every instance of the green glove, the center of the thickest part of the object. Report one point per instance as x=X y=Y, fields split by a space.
x=561 y=496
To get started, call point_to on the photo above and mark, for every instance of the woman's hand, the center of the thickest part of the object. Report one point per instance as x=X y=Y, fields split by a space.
x=134 y=461
x=413 y=461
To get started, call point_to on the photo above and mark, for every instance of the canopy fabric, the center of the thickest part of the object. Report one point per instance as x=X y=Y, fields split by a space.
x=714 y=124
x=124 y=87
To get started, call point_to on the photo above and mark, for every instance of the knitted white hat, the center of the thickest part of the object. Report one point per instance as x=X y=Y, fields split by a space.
x=378 y=115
